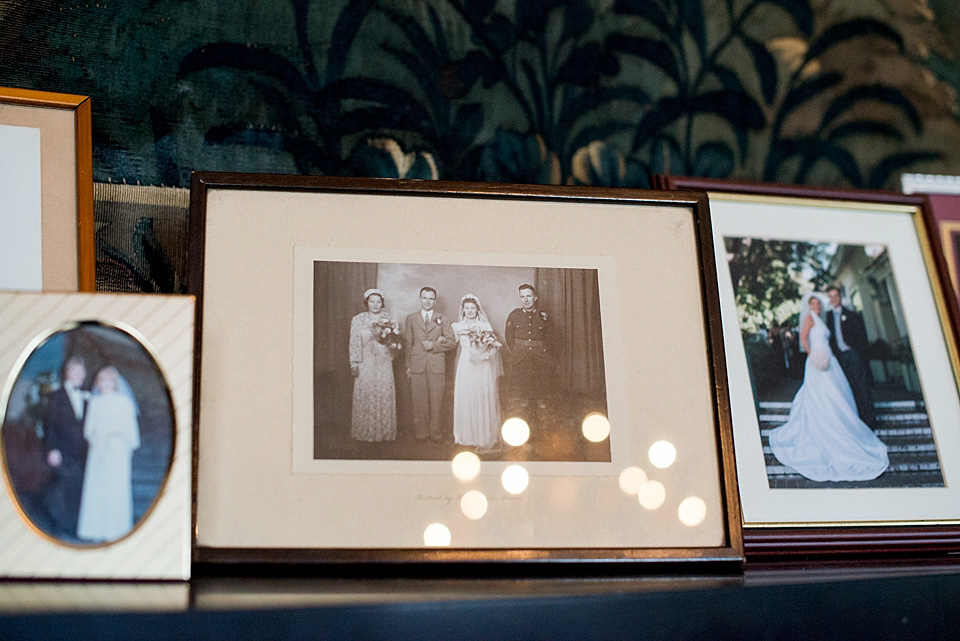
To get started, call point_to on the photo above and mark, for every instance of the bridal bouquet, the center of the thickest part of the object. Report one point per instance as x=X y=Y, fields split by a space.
x=820 y=359
x=387 y=332
x=484 y=338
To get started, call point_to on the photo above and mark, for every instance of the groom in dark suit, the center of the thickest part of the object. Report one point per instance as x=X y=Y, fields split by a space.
x=848 y=340
x=428 y=336
x=66 y=448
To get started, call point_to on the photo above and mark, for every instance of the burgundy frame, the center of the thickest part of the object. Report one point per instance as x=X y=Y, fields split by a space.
x=765 y=543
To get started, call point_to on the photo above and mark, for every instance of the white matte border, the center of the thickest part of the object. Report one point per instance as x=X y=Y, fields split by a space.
x=856 y=224
x=21 y=246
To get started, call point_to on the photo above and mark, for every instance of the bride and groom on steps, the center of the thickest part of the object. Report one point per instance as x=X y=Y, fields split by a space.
x=829 y=435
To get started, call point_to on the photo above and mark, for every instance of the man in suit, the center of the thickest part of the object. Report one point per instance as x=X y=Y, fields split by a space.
x=848 y=340
x=529 y=338
x=66 y=447
x=428 y=337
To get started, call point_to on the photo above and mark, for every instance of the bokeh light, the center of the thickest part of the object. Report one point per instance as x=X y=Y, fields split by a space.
x=515 y=479
x=436 y=535
x=631 y=479
x=515 y=431
x=596 y=427
x=466 y=466
x=652 y=494
x=473 y=504
x=662 y=454
x=692 y=511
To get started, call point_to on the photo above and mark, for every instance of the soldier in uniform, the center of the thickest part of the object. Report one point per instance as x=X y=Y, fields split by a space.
x=528 y=337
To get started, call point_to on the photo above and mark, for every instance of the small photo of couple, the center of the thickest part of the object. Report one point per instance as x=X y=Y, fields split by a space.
x=837 y=394
x=418 y=362
x=88 y=435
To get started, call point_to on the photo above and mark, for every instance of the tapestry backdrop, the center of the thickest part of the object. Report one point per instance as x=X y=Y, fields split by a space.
x=600 y=92
x=597 y=92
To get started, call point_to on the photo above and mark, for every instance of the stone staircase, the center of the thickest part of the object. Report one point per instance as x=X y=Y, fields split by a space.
x=902 y=425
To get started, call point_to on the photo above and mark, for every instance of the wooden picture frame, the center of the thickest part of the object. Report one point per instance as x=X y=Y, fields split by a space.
x=950 y=238
x=913 y=515
x=48 y=163
x=95 y=445
x=283 y=263
x=943 y=197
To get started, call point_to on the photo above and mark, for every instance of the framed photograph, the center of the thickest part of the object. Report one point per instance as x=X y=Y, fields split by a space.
x=841 y=343
x=943 y=196
x=96 y=435
x=398 y=371
x=46 y=177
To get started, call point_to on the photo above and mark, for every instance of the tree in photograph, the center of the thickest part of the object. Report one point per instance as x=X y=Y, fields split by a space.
x=767 y=275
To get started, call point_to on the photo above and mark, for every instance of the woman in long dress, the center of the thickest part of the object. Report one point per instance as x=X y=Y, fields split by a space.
x=824 y=438
x=374 y=338
x=476 y=397
x=112 y=433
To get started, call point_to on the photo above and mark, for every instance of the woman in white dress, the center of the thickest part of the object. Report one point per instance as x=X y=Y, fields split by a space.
x=476 y=396
x=824 y=438
x=374 y=337
x=112 y=433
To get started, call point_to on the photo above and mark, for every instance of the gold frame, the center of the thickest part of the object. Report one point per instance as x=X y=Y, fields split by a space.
x=72 y=272
x=947 y=229
x=6 y=391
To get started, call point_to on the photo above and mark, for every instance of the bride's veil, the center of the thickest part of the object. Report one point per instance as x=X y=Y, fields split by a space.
x=123 y=387
x=482 y=317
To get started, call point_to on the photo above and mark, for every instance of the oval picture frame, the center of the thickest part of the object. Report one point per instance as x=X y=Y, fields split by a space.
x=131 y=406
x=85 y=465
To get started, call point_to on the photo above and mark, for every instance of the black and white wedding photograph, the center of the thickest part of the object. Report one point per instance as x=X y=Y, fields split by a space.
x=421 y=361
x=88 y=435
x=837 y=392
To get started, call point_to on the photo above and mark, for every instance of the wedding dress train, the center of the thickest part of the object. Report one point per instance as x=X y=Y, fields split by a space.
x=824 y=438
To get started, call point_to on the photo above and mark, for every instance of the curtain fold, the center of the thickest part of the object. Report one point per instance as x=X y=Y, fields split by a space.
x=571 y=297
x=338 y=296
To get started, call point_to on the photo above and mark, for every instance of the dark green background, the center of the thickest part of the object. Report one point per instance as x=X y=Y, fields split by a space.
x=600 y=92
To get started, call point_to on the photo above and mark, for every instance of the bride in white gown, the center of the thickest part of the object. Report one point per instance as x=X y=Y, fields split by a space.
x=476 y=399
x=824 y=438
x=112 y=431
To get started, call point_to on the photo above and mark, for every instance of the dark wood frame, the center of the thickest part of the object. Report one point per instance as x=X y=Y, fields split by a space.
x=730 y=552
x=80 y=106
x=893 y=539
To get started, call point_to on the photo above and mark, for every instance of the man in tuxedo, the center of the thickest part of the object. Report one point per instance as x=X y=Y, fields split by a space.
x=529 y=338
x=66 y=447
x=428 y=336
x=848 y=340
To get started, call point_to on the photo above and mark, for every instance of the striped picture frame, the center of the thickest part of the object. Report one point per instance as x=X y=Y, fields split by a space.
x=134 y=509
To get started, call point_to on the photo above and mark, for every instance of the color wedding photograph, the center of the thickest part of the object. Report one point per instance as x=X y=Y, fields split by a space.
x=838 y=397
x=88 y=435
